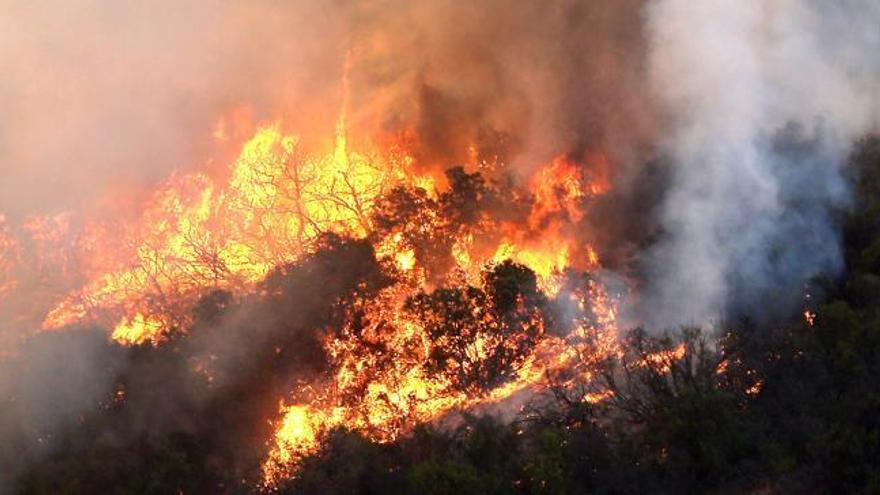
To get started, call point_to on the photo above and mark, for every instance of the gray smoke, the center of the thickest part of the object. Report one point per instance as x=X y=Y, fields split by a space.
x=56 y=378
x=762 y=101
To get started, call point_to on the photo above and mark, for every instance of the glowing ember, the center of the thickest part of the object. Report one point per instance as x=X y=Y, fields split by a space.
x=810 y=317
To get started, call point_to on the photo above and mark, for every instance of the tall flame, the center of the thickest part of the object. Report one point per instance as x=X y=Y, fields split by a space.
x=201 y=232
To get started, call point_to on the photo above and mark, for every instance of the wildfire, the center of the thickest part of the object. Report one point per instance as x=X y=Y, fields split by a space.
x=200 y=233
x=296 y=433
x=383 y=395
x=810 y=317
x=399 y=359
x=138 y=329
x=8 y=258
x=663 y=360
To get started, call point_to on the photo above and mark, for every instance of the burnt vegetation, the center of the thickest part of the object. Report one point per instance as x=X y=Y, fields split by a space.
x=785 y=408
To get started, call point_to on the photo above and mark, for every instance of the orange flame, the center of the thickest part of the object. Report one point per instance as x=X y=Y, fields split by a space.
x=200 y=232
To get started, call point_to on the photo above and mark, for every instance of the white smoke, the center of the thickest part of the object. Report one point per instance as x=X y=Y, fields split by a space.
x=763 y=100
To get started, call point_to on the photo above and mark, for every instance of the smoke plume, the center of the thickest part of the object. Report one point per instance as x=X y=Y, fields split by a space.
x=762 y=102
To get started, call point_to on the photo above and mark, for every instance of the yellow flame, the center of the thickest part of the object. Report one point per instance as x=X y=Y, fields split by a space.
x=202 y=232
x=137 y=330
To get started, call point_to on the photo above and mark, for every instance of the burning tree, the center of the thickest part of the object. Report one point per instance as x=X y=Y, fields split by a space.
x=481 y=337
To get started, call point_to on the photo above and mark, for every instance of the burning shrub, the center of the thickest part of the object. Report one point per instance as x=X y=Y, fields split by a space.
x=480 y=337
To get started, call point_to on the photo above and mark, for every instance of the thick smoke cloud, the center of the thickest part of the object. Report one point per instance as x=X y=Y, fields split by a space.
x=102 y=98
x=762 y=101
x=551 y=77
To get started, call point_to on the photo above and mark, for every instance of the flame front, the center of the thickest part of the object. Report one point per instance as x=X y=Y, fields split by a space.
x=200 y=232
x=395 y=363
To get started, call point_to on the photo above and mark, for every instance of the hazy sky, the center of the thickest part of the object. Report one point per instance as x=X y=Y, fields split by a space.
x=95 y=93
